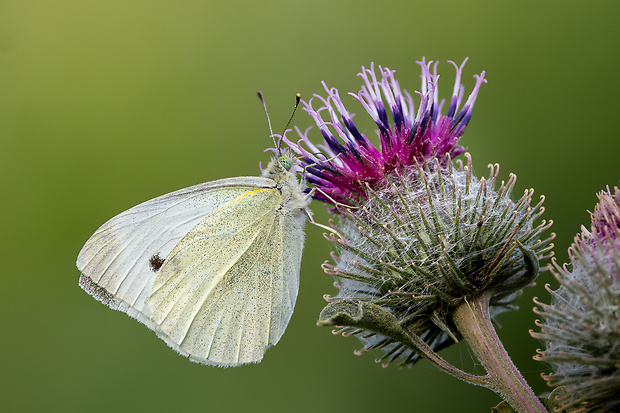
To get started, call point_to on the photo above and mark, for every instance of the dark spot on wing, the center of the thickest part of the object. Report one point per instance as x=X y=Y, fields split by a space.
x=156 y=262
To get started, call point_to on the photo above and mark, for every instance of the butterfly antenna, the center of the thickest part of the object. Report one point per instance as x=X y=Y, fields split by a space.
x=297 y=100
x=262 y=99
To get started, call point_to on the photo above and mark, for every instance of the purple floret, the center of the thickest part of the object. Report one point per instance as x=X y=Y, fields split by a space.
x=346 y=161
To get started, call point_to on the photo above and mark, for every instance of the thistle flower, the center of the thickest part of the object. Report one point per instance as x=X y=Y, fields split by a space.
x=417 y=236
x=347 y=161
x=581 y=326
x=420 y=242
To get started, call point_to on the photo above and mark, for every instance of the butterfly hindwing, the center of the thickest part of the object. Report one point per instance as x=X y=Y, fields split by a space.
x=228 y=308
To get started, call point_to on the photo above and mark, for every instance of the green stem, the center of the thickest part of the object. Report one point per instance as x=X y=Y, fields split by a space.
x=418 y=345
x=473 y=320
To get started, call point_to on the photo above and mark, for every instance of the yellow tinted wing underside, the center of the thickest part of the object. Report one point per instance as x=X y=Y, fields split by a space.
x=222 y=296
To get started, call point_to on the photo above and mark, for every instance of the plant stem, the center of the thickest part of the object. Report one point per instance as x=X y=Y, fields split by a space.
x=418 y=345
x=473 y=320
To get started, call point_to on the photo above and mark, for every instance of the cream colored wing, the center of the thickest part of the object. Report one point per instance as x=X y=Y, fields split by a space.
x=227 y=291
x=115 y=261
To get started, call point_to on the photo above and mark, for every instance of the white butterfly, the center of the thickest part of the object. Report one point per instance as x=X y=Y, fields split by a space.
x=213 y=269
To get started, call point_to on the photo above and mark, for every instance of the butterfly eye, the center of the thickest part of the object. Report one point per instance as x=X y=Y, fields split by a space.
x=285 y=162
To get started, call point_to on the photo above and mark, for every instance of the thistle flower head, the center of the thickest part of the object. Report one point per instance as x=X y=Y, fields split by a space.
x=347 y=161
x=581 y=326
x=416 y=236
x=430 y=241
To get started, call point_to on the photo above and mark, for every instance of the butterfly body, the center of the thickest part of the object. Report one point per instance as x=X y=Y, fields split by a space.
x=213 y=269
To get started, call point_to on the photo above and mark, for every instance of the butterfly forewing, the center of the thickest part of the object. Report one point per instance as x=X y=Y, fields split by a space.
x=115 y=260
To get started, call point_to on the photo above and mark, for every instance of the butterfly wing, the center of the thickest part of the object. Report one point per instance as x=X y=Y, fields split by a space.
x=115 y=261
x=227 y=291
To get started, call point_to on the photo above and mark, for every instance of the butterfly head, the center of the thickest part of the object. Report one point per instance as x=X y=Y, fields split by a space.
x=285 y=162
x=281 y=167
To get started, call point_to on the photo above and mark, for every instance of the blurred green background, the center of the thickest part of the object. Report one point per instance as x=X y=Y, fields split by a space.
x=105 y=104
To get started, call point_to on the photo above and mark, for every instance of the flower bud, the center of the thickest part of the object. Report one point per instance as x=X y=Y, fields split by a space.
x=581 y=326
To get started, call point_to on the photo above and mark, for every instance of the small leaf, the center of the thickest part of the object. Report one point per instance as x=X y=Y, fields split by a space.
x=364 y=315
